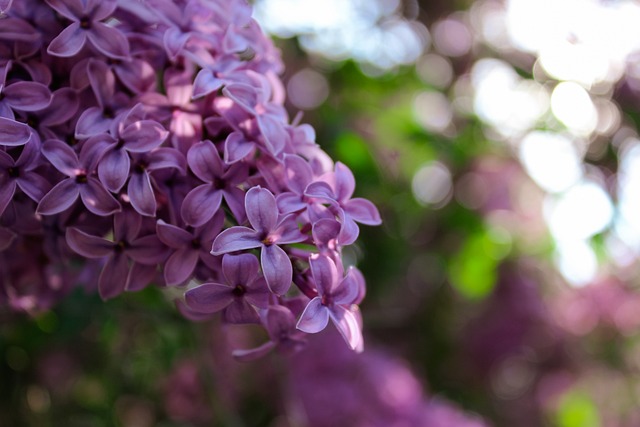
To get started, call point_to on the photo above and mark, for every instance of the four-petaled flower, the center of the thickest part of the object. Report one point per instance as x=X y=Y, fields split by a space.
x=336 y=295
x=243 y=291
x=267 y=233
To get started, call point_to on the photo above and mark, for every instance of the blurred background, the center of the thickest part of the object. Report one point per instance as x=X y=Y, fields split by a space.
x=499 y=139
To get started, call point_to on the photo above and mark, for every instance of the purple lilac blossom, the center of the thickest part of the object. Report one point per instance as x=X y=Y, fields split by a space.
x=146 y=143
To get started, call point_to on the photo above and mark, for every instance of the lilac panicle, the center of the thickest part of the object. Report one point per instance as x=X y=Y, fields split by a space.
x=146 y=142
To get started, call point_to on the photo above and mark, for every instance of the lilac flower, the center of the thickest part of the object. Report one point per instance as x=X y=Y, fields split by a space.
x=21 y=174
x=244 y=289
x=86 y=17
x=203 y=202
x=190 y=248
x=335 y=297
x=283 y=335
x=79 y=181
x=127 y=256
x=337 y=187
x=5 y=5
x=267 y=233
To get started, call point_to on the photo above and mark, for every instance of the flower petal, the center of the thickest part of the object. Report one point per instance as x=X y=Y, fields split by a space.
x=59 y=198
x=200 y=205
x=252 y=354
x=347 y=324
x=172 y=236
x=236 y=147
x=61 y=156
x=141 y=194
x=180 y=266
x=97 y=199
x=280 y=322
x=345 y=182
x=349 y=288
x=87 y=245
x=113 y=279
x=143 y=136
x=147 y=250
x=287 y=231
x=140 y=276
x=7 y=190
x=325 y=274
x=33 y=185
x=240 y=269
x=113 y=169
x=109 y=41
x=13 y=133
x=363 y=211
x=298 y=173
x=209 y=297
x=205 y=83
x=27 y=96
x=240 y=312
x=68 y=42
x=262 y=211
x=277 y=269
x=205 y=162
x=315 y=317
x=235 y=239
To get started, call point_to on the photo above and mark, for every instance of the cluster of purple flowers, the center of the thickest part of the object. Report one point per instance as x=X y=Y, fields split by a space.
x=146 y=142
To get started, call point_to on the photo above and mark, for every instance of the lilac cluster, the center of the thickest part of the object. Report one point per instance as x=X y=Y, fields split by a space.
x=146 y=142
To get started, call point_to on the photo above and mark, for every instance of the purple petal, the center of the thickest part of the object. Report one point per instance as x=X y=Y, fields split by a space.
x=147 y=250
x=235 y=239
x=325 y=274
x=320 y=190
x=363 y=211
x=240 y=312
x=274 y=133
x=63 y=106
x=243 y=95
x=172 y=236
x=69 y=41
x=27 y=96
x=280 y=322
x=347 y=324
x=205 y=83
x=126 y=225
x=209 y=297
x=298 y=173
x=33 y=185
x=59 y=198
x=200 y=205
x=61 y=156
x=261 y=209
x=113 y=278
x=325 y=230
x=140 y=276
x=13 y=133
x=7 y=189
x=101 y=9
x=287 y=231
x=143 y=136
x=70 y=9
x=240 y=269
x=97 y=199
x=315 y=317
x=252 y=354
x=137 y=75
x=349 y=288
x=349 y=231
x=277 y=269
x=345 y=182
x=5 y=5
x=174 y=41
x=113 y=169
x=290 y=202
x=92 y=122
x=205 y=162
x=87 y=245
x=141 y=194
x=235 y=200
x=258 y=293
x=109 y=41
x=189 y=313
x=102 y=81
x=180 y=266
x=236 y=147
x=166 y=158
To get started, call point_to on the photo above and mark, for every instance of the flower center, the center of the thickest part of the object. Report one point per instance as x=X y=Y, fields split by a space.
x=13 y=172
x=81 y=178
x=239 y=291
x=195 y=244
x=85 y=22
x=120 y=246
x=268 y=240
